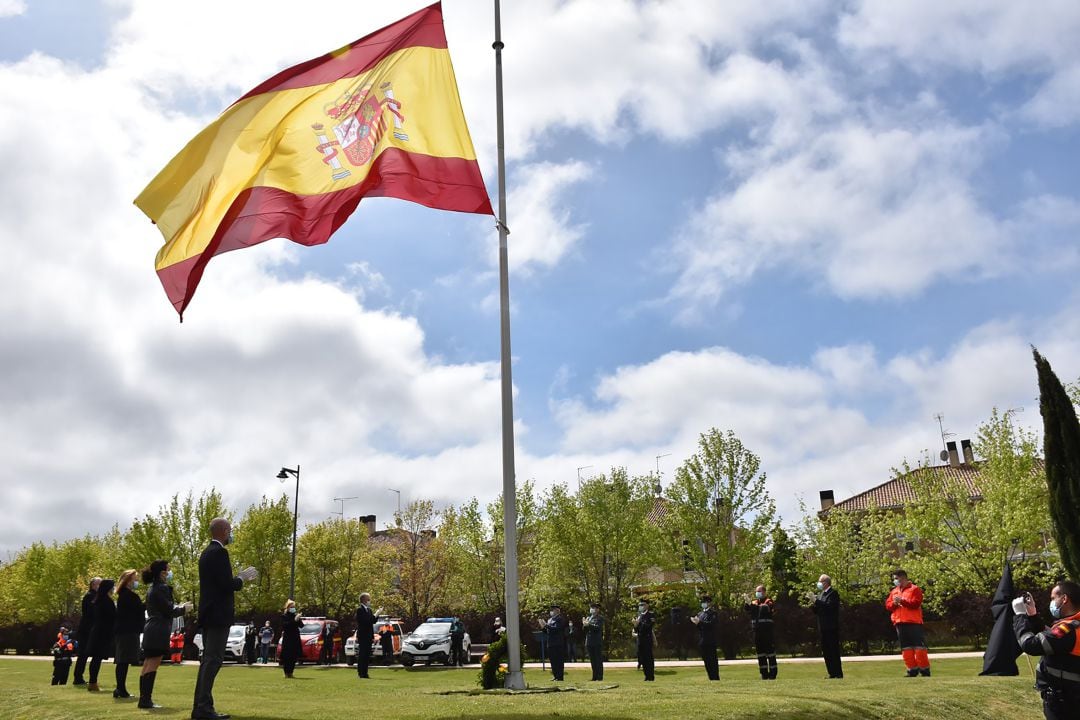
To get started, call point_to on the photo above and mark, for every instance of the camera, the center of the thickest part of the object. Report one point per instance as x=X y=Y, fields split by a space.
x=1019 y=605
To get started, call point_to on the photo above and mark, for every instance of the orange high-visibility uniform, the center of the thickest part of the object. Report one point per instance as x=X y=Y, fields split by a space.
x=905 y=604
x=176 y=645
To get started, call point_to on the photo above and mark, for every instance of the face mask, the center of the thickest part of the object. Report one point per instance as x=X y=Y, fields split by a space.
x=552 y=613
x=135 y=585
x=593 y=611
x=704 y=606
x=759 y=595
x=820 y=587
x=1055 y=609
x=228 y=540
x=896 y=582
x=292 y=611
x=168 y=576
x=642 y=608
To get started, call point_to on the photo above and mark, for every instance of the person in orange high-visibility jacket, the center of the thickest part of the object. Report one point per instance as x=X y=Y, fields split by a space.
x=905 y=604
x=176 y=646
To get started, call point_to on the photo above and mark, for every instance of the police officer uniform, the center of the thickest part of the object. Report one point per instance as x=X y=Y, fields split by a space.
x=643 y=624
x=1058 y=676
x=761 y=620
x=555 y=628
x=594 y=642
x=707 y=621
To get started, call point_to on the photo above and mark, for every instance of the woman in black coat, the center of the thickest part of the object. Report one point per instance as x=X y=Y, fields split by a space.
x=130 y=618
x=290 y=638
x=160 y=610
x=101 y=635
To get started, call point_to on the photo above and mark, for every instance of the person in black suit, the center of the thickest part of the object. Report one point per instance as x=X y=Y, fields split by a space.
x=102 y=634
x=707 y=621
x=827 y=608
x=217 y=586
x=643 y=628
x=160 y=612
x=365 y=632
x=130 y=618
x=82 y=633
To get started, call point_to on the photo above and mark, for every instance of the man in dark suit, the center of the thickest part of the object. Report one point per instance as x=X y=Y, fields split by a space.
x=365 y=632
x=643 y=629
x=216 y=613
x=82 y=633
x=827 y=608
x=555 y=629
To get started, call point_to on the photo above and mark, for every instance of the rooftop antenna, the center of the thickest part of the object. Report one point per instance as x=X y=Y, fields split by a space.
x=342 y=501
x=659 y=487
x=940 y=417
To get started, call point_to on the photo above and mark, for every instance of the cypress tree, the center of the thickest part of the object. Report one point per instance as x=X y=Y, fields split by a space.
x=1061 y=447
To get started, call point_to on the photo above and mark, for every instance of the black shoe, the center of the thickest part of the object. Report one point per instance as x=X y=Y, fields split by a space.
x=121 y=694
x=79 y=682
x=147 y=704
x=913 y=672
x=925 y=672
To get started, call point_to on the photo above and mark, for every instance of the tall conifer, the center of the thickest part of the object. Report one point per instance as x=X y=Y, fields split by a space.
x=1061 y=446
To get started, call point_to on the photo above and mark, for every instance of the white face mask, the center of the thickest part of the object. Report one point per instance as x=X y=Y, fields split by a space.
x=168 y=576
x=292 y=611
x=896 y=582
x=759 y=595
x=642 y=608
x=704 y=606
x=594 y=611
x=820 y=586
x=135 y=585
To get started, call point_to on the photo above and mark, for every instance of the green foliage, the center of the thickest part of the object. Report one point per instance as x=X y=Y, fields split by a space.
x=1061 y=438
x=720 y=506
x=335 y=562
x=783 y=564
x=855 y=549
x=596 y=544
x=421 y=559
x=264 y=541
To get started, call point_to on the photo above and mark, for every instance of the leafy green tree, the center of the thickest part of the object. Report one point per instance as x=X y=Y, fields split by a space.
x=264 y=541
x=597 y=544
x=421 y=559
x=961 y=542
x=1061 y=443
x=722 y=510
x=783 y=564
x=475 y=559
x=335 y=562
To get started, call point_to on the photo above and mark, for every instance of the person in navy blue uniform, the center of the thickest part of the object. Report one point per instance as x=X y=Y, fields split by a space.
x=707 y=621
x=555 y=629
x=593 y=624
x=761 y=610
x=643 y=629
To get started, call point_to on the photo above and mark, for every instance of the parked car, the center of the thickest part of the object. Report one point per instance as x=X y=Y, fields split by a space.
x=311 y=639
x=376 y=646
x=234 y=646
x=430 y=642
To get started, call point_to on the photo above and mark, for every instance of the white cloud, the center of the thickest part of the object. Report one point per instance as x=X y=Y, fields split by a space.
x=542 y=232
x=1057 y=103
x=11 y=8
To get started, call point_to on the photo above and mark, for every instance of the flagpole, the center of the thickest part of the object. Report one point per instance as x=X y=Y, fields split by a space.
x=514 y=678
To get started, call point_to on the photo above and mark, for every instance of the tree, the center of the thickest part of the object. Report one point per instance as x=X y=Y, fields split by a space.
x=335 y=562
x=597 y=544
x=264 y=541
x=474 y=556
x=783 y=564
x=961 y=541
x=722 y=514
x=420 y=556
x=1061 y=445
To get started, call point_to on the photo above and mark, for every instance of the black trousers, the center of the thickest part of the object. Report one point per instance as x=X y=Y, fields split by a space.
x=596 y=659
x=213 y=655
x=708 y=656
x=645 y=657
x=95 y=668
x=80 y=661
x=766 y=652
x=363 y=659
x=1060 y=704
x=557 y=658
x=456 y=651
x=60 y=669
x=288 y=663
x=830 y=650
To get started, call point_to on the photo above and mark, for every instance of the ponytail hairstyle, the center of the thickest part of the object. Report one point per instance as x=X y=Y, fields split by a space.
x=152 y=573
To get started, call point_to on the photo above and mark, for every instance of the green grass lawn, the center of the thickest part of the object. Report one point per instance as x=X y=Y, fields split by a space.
x=869 y=690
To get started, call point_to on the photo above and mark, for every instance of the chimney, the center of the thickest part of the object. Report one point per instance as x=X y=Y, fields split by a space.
x=369 y=520
x=954 y=457
x=969 y=454
x=827 y=500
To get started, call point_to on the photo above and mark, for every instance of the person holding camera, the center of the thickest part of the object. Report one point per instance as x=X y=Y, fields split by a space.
x=905 y=605
x=1058 y=676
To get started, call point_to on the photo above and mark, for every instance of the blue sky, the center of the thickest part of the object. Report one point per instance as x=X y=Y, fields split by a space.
x=815 y=223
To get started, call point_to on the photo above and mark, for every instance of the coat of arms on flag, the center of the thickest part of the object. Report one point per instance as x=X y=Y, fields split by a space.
x=359 y=119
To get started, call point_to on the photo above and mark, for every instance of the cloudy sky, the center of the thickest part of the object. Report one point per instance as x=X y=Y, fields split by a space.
x=814 y=223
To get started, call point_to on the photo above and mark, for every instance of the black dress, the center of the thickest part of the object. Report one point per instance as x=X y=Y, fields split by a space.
x=130 y=619
x=160 y=611
x=102 y=635
x=290 y=641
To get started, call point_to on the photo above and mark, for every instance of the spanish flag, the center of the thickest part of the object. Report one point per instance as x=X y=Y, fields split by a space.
x=293 y=158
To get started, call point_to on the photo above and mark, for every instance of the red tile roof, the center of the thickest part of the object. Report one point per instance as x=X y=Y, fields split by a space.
x=898 y=492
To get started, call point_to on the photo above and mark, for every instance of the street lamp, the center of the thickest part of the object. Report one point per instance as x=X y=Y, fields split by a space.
x=283 y=476
x=398 y=499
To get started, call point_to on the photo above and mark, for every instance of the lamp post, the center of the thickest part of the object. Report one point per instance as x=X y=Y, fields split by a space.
x=283 y=476
x=398 y=499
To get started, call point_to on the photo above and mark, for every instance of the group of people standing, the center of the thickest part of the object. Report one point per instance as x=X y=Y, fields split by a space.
x=114 y=615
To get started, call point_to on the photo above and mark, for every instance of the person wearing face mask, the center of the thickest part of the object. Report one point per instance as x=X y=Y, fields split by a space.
x=102 y=636
x=905 y=604
x=130 y=618
x=761 y=611
x=555 y=629
x=706 y=622
x=217 y=612
x=82 y=633
x=365 y=633
x=1058 y=676
x=643 y=629
x=827 y=608
x=593 y=624
x=291 y=624
x=160 y=611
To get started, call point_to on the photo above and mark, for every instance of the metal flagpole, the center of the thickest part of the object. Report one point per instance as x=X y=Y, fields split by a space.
x=514 y=677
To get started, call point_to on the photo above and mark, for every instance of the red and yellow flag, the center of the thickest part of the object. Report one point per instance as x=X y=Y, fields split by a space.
x=293 y=158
